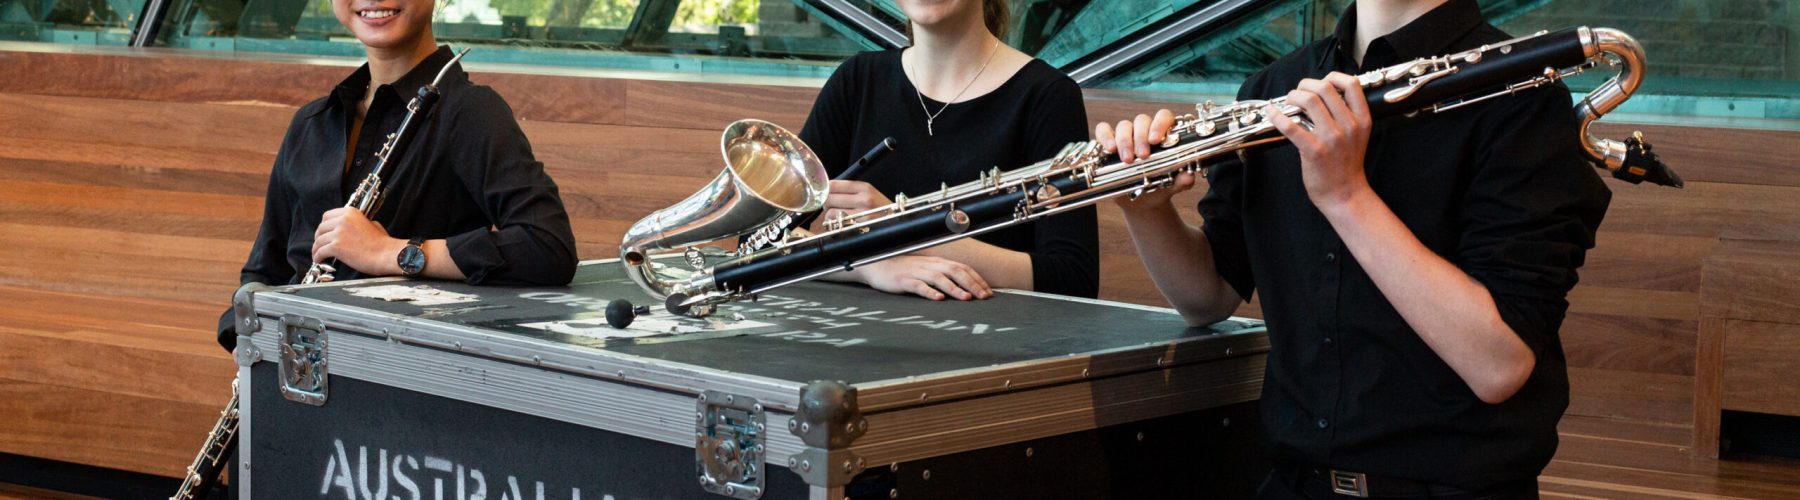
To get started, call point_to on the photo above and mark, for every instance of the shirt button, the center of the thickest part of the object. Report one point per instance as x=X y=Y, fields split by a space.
x=1327 y=340
x=1330 y=256
x=1323 y=423
x=358 y=162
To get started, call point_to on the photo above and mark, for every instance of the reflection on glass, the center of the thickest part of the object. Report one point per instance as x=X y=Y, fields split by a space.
x=1716 y=58
x=1721 y=58
x=775 y=37
x=69 y=21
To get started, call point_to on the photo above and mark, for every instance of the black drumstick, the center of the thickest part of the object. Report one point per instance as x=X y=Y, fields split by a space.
x=850 y=174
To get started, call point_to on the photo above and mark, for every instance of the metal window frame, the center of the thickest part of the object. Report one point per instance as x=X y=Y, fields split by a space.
x=1088 y=70
x=864 y=23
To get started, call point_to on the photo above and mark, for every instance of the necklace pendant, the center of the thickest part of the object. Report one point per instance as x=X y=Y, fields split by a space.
x=928 y=130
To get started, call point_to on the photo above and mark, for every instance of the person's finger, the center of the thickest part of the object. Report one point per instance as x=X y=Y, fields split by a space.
x=1293 y=131
x=328 y=224
x=320 y=241
x=943 y=283
x=324 y=252
x=1183 y=181
x=1341 y=118
x=1353 y=94
x=1122 y=137
x=1311 y=103
x=1103 y=132
x=919 y=288
x=1160 y=125
x=970 y=280
x=844 y=201
x=1140 y=130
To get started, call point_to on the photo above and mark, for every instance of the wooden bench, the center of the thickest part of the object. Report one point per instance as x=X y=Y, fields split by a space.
x=1749 y=347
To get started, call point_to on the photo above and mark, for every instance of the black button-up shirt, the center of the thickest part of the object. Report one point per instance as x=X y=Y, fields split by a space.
x=1498 y=188
x=468 y=177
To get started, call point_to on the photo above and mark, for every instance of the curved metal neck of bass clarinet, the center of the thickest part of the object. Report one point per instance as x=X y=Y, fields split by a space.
x=1598 y=42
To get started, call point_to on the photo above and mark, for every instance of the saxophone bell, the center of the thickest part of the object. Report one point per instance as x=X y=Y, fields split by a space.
x=769 y=173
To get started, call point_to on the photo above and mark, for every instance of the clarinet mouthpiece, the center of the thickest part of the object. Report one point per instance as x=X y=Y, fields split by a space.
x=1641 y=164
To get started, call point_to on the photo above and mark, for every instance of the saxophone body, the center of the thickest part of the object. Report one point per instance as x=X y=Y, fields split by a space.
x=1082 y=174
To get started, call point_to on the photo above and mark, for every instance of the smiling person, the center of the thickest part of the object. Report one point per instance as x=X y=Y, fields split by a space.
x=1414 y=273
x=958 y=102
x=466 y=196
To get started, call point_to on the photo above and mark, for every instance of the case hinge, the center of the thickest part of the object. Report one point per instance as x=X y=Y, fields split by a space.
x=304 y=367
x=728 y=444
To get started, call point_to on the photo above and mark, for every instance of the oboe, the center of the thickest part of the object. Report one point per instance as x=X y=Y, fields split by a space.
x=203 y=473
x=1081 y=174
x=370 y=192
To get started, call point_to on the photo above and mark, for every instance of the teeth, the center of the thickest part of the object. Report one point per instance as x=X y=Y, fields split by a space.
x=376 y=14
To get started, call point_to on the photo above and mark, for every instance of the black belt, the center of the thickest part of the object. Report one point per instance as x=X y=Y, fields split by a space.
x=1361 y=485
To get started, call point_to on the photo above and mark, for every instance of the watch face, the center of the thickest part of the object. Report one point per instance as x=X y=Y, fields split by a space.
x=412 y=260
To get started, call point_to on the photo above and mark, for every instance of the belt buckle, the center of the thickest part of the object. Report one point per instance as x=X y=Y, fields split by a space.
x=1354 y=484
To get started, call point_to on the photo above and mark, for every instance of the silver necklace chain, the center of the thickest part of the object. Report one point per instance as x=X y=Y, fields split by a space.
x=932 y=117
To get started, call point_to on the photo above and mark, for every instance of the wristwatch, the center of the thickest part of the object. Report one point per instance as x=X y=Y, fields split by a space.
x=412 y=258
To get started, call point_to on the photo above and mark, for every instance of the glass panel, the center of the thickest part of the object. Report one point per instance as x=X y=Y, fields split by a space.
x=772 y=37
x=1734 y=61
x=86 y=22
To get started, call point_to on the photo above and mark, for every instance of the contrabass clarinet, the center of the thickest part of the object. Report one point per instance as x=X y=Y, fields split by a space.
x=204 y=472
x=769 y=172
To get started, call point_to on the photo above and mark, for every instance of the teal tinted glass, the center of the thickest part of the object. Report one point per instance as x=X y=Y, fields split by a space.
x=81 y=22
x=1735 y=60
x=1731 y=59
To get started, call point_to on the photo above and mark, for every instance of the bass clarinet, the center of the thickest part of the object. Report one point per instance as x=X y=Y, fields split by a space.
x=769 y=172
x=204 y=472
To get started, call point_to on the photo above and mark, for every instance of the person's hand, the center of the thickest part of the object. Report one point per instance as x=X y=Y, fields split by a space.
x=929 y=277
x=852 y=197
x=350 y=237
x=1331 y=153
x=1132 y=140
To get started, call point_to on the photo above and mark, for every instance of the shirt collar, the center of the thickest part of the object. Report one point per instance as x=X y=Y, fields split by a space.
x=1426 y=36
x=353 y=86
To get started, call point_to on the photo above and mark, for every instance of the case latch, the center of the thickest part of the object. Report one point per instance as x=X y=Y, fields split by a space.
x=728 y=444
x=304 y=370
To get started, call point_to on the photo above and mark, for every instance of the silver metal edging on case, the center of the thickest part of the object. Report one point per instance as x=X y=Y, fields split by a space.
x=660 y=415
x=472 y=342
x=1085 y=300
x=886 y=394
x=970 y=424
x=241 y=478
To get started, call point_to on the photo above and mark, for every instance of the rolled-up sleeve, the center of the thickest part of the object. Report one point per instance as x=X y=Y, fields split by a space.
x=530 y=242
x=1531 y=213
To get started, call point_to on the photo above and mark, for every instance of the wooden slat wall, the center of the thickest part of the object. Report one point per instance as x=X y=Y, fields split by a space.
x=130 y=185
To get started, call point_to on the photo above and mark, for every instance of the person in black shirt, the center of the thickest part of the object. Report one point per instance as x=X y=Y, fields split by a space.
x=466 y=191
x=1413 y=272
x=957 y=103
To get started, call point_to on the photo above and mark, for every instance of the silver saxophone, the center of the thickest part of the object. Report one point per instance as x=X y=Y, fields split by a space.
x=769 y=173
x=203 y=473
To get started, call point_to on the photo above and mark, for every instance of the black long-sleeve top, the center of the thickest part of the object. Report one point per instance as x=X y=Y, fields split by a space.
x=468 y=177
x=1499 y=189
x=1029 y=118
